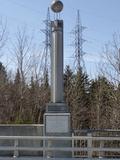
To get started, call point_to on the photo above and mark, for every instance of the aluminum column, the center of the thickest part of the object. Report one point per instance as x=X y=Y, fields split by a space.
x=57 y=61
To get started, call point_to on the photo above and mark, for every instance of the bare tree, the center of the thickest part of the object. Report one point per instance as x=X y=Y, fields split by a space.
x=3 y=34
x=111 y=69
x=21 y=51
x=110 y=66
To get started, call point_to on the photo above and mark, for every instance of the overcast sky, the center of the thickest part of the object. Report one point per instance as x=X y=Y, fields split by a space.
x=101 y=17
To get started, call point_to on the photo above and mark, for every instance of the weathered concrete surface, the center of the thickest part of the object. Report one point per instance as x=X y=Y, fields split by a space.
x=21 y=130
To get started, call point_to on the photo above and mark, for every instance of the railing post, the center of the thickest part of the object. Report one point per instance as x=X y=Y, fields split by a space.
x=101 y=146
x=73 y=145
x=16 y=152
x=44 y=148
x=89 y=145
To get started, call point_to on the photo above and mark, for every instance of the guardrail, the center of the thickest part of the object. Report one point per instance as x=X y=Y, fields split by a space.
x=81 y=146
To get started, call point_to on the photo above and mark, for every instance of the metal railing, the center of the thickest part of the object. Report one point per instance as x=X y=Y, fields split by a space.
x=81 y=146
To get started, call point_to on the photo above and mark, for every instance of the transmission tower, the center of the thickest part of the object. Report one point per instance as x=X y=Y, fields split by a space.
x=78 y=44
x=47 y=46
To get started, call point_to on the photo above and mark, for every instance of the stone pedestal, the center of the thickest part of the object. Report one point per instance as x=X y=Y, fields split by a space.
x=57 y=123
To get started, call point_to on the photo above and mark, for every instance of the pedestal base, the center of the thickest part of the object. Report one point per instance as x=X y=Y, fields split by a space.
x=57 y=124
x=56 y=108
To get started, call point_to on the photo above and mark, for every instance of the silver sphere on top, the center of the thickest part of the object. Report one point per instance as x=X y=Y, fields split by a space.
x=57 y=6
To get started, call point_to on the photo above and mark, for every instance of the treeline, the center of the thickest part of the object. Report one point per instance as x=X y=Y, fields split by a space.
x=24 y=93
x=93 y=104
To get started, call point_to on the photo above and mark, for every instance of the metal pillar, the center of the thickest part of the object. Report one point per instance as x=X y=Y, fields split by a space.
x=57 y=61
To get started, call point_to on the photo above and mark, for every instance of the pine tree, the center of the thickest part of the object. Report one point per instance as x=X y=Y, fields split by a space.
x=19 y=98
x=68 y=86
x=15 y=97
x=4 y=95
x=44 y=96
x=17 y=80
x=34 y=100
x=101 y=103
x=80 y=103
x=3 y=75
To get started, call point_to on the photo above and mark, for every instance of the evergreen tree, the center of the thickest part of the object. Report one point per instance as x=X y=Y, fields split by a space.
x=17 y=80
x=116 y=108
x=68 y=86
x=19 y=98
x=80 y=103
x=34 y=100
x=39 y=96
x=3 y=75
x=44 y=96
x=4 y=95
x=15 y=96
x=101 y=103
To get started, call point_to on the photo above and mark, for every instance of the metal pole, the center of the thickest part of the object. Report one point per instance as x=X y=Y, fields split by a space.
x=57 y=61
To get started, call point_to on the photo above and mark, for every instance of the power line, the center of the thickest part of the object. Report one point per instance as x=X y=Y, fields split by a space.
x=24 y=6
x=16 y=19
